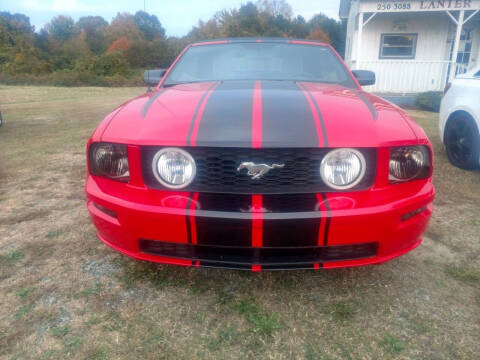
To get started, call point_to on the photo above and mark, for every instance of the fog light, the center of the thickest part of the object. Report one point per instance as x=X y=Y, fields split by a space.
x=342 y=168
x=174 y=168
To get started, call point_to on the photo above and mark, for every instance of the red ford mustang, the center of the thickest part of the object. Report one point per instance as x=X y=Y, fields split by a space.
x=260 y=154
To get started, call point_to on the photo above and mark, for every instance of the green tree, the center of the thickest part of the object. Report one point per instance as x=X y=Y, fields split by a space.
x=94 y=29
x=15 y=29
x=149 y=25
x=41 y=40
x=61 y=28
x=123 y=25
x=319 y=35
x=299 y=28
x=205 y=30
x=90 y=49
x=334 y=29
x=75 y=48
x=18 y=52
x=249 y=20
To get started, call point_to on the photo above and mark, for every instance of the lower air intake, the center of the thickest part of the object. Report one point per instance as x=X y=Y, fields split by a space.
x=268 y=257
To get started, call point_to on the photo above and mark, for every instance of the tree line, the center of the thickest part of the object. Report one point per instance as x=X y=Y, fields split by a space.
x=92 y=51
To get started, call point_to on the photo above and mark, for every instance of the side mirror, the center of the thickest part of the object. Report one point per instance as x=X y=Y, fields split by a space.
x=153 y=77
x=364 y=77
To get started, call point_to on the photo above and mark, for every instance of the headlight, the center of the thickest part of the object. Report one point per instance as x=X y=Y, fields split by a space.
x=408 y=163
x=342 y=168
x=174 y=168
x=109 y=160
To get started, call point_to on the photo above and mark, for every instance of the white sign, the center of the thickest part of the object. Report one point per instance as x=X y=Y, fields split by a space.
x=418 y=5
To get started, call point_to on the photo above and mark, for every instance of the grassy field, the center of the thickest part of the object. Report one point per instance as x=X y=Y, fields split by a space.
x=63 y=294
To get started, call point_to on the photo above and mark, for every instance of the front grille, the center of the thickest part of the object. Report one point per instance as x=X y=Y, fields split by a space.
x=268 y=257
x=217 y=170
x=271 y=203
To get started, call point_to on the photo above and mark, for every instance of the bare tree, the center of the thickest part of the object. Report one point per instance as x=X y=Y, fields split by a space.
x=275 y=8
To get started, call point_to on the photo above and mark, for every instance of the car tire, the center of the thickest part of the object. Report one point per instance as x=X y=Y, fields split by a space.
x=462 y=142
x=1 y=119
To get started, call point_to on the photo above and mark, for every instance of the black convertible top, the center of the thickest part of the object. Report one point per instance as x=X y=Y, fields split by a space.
x=257 y=39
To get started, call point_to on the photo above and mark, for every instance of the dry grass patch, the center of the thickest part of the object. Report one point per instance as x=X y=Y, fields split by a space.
x=66 y=295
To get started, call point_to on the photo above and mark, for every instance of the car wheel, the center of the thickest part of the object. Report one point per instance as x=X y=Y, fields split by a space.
x=462 y=142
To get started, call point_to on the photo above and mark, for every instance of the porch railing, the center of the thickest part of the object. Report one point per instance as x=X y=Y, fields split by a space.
x=408 y=76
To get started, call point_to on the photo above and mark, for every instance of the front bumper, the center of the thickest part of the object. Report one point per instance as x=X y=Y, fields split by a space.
x=190 y=229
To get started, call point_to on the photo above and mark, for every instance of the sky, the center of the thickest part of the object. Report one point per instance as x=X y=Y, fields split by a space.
x=176 y=16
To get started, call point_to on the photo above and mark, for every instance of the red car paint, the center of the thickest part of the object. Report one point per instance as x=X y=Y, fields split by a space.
x=175 y=117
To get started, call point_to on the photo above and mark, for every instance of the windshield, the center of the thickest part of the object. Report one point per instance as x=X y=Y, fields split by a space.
x=259 y=61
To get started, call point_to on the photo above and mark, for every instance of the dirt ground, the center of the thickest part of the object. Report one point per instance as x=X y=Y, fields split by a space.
x=63 y=294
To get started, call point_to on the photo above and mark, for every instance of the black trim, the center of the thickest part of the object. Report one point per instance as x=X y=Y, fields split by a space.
x=211 y=264
x=256 y=39
x=288 y=267
x=413 y=213
x=105 y=210
x=187 y=218
x=269 y=258
x=319 y=114
x=327 y=225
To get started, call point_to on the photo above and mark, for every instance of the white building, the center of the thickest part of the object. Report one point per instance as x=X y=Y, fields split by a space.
x=412 y=45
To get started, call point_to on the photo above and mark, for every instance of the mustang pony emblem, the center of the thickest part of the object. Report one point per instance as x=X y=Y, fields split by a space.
x=256 y=171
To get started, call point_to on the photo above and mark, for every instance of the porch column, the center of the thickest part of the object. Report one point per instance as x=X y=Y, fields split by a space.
x=456 y=45
x=359 y=40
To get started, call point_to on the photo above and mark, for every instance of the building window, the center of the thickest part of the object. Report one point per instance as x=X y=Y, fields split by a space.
x=398 y=46
x=465 y=47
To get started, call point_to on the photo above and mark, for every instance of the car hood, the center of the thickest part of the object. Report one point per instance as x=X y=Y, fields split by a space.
x=259 y=114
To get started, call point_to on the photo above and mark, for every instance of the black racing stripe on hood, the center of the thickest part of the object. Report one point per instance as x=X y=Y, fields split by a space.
x=197 y=108
x=227 y=117
x=287 y=118
x=150 y=102
x=368 y=103
x=319 y=113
